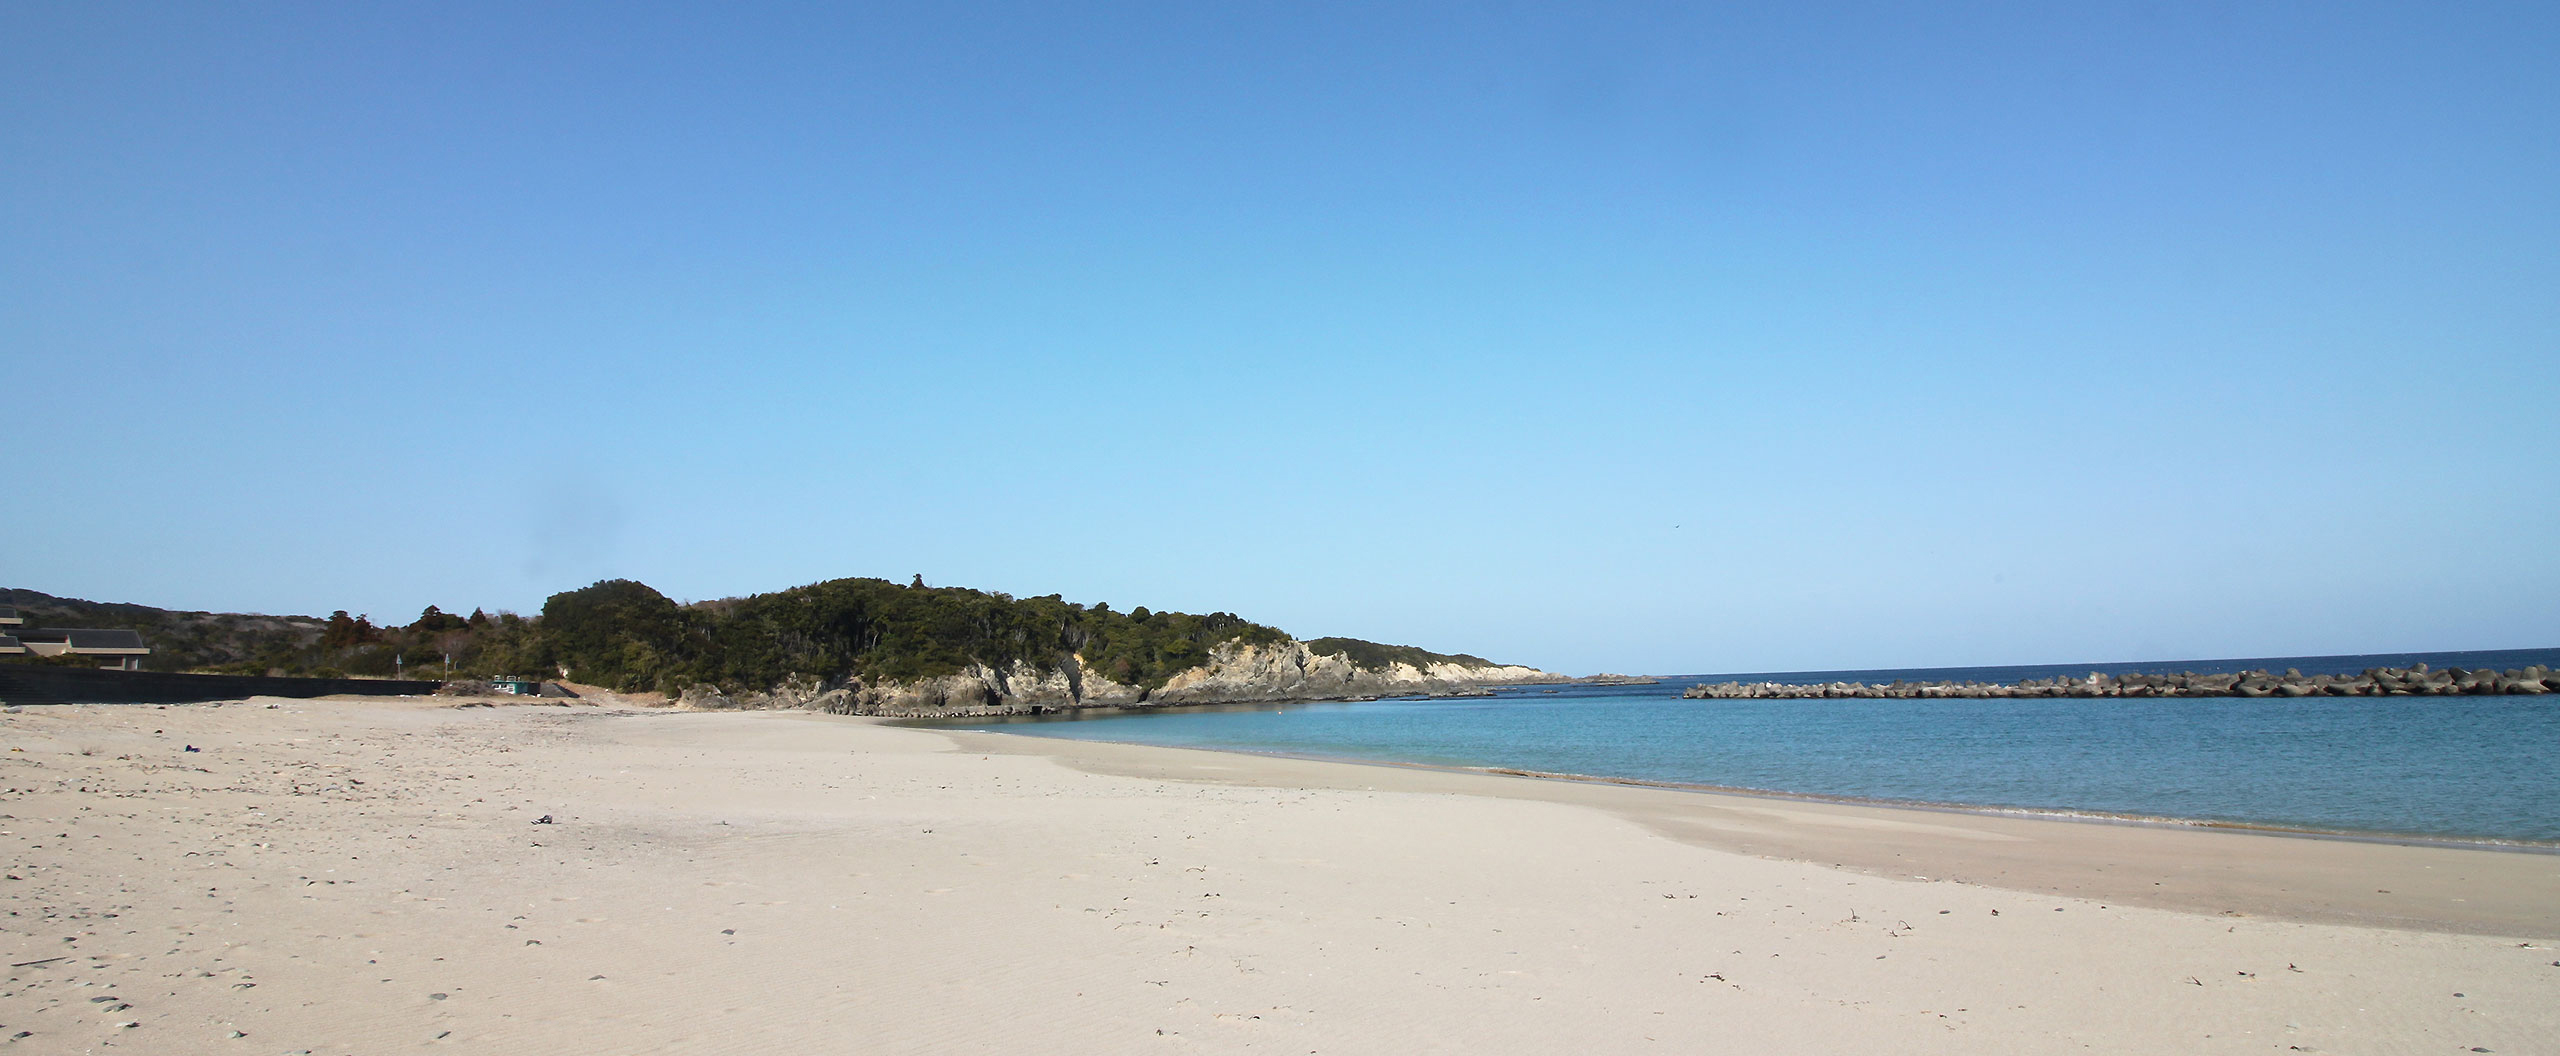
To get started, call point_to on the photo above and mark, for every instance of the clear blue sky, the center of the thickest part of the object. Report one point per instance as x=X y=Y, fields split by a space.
x=1647 y=338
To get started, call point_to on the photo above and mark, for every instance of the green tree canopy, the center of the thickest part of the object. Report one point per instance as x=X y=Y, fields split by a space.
x=617 y=633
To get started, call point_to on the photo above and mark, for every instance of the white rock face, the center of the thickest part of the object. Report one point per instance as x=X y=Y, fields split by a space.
x=1290 y=671
x=1235 y=673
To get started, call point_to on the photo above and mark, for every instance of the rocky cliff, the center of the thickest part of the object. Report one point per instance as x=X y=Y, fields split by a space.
x=1235 y=673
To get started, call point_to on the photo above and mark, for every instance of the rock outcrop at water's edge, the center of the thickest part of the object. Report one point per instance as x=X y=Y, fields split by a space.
x=2373 y=682
x=1236 y=673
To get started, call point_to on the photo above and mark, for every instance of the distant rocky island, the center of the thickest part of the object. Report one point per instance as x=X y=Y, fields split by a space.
x=2374 y=682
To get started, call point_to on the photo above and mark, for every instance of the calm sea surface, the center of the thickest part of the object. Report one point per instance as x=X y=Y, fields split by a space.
x=2485 y=768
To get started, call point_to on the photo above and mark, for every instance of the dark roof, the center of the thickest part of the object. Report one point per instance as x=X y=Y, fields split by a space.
x=10 y=645
x=8 y=614
x=83 y=640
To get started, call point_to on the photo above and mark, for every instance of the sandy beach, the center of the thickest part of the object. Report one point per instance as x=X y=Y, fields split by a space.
x=342 y=876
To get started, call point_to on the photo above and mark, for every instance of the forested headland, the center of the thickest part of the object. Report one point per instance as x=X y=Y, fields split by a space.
x=625 y=635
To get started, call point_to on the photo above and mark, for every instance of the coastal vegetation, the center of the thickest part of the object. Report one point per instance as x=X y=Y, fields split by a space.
x=340 y=644
x=625 y=635
x=180 y=641
x=1372 y=656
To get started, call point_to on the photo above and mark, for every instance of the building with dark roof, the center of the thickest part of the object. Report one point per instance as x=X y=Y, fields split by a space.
x=124 y=647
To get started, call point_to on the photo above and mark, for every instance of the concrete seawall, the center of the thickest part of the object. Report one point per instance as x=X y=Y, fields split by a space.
x=36 y=684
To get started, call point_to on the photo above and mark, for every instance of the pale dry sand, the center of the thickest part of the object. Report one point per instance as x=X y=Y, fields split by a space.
x=367 y=877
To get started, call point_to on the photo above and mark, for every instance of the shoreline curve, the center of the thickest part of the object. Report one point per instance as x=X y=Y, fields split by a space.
x=2238 y=870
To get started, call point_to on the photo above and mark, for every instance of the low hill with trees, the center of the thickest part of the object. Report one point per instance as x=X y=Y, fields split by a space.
x=234 y=643
x=625 y=635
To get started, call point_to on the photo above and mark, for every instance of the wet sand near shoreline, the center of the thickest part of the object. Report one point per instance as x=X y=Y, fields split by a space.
x=2427 y=885
x=366 y=876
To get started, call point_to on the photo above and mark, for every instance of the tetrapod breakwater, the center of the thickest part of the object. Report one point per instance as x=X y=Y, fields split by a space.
x=2419 y=680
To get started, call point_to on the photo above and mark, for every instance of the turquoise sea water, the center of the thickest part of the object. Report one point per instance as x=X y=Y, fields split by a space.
x=2479 y=768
